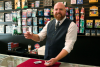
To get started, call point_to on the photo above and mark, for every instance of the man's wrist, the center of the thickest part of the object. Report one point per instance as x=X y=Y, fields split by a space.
x=32 y=36
x=56 y=59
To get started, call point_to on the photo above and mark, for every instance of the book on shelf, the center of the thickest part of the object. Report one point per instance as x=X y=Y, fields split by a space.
x=1 y=5
x=1 y=28
x=1 y=17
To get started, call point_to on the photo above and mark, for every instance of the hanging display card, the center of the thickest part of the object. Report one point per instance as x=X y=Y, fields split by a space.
x=79 y=1
x=73 y=1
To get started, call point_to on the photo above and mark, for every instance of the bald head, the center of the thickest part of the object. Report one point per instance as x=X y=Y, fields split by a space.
x=59 y=11
x=59 y=4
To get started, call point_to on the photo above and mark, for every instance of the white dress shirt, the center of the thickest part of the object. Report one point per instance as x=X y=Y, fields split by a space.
x=70 y=38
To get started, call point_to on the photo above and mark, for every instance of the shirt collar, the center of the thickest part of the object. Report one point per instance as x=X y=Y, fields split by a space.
x=61 y=21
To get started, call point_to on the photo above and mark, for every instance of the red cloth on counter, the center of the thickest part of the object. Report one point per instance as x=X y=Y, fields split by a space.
x=30 y=63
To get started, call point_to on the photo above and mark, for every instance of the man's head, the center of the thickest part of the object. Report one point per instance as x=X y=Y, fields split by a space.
x=59 y=11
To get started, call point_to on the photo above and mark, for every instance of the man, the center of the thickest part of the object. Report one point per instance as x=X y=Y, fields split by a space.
x=60 y=40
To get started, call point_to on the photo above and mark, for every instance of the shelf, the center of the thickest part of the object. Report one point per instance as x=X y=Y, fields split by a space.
x=10 y=34
x=5 y=34
x=7 y=23
x=86 y=36
x=7 y=11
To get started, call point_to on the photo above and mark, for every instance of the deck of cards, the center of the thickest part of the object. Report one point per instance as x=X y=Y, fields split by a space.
x=38 y=62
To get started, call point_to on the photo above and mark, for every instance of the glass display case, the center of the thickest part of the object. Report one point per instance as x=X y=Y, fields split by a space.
x=13 y=61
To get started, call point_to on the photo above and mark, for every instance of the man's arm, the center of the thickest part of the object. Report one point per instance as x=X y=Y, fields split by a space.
x=61 y=55
x=70 y=39
x=32 y=36
x=37 y=37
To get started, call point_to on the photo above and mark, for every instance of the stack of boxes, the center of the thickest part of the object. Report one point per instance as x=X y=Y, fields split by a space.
x=12 y=45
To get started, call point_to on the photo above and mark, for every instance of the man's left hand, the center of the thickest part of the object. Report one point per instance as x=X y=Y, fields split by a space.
x=51 y=62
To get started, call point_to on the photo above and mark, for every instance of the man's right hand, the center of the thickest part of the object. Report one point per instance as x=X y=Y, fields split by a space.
x=28 y=35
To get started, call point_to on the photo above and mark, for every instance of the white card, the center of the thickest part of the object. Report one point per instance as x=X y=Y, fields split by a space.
x=73 y=1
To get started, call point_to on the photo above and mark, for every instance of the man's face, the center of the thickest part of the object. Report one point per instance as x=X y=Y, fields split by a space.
x=59 y=12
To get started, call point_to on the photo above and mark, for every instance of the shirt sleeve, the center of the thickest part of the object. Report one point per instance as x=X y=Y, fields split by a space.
x=71 y=37
x=43 y=33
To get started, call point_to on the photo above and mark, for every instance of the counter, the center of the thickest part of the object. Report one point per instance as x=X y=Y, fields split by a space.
x=13 y=61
